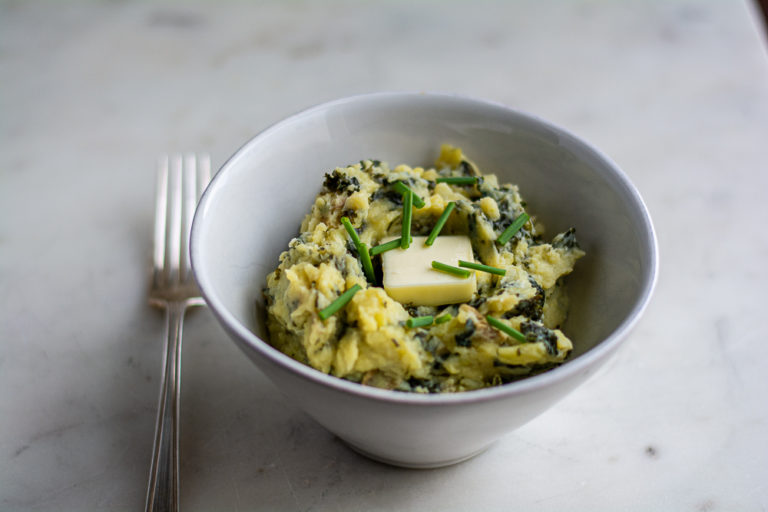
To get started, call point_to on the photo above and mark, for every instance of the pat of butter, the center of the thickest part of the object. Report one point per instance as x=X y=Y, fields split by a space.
x=410 y=279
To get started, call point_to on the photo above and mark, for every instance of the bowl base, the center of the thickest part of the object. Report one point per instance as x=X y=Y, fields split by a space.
x=414 y=464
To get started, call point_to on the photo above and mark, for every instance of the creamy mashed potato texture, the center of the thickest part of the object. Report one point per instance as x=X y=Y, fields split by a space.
x=368 y=340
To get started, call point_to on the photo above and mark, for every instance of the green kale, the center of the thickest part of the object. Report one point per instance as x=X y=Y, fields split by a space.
x=566 y=240
x=463 y=339
x=535 y=333
x=336 y=181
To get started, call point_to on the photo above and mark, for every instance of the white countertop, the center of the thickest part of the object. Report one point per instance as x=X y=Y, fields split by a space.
x=676 y=92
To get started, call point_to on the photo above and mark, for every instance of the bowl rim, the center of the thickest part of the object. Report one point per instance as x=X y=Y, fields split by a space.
x=601 y=350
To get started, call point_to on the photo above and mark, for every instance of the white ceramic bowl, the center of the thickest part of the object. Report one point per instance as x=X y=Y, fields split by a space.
x=255 y=203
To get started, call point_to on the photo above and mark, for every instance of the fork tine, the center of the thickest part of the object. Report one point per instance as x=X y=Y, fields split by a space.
x=205 y=173
x=180 y=181
x=189 y=180
x=173 y=258
x=161 y=211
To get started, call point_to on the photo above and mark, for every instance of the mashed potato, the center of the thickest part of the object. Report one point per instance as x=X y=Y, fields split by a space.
x=368 y=340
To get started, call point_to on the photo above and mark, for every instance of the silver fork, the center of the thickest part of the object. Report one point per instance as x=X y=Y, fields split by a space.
x=180 y=181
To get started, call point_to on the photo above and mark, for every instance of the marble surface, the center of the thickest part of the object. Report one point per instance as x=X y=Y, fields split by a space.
x=91 y=93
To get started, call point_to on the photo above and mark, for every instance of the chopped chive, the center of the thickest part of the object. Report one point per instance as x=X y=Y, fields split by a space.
x=351 y=231
x=440 y=223
x=388 y=246
x=510 y=331
x=419 y=321
x=443 y=318
x=449 y=269
x=483 y=268
x=513 y=228
x=362 y=251
x=458 y=180
x=339 y=303
x=365 y=259
x=405 y=238
x=401 y=187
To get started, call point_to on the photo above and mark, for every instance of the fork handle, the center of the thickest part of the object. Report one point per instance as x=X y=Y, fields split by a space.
x=163 y=488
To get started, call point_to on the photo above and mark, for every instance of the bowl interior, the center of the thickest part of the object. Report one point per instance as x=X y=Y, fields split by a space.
x=256 y=202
